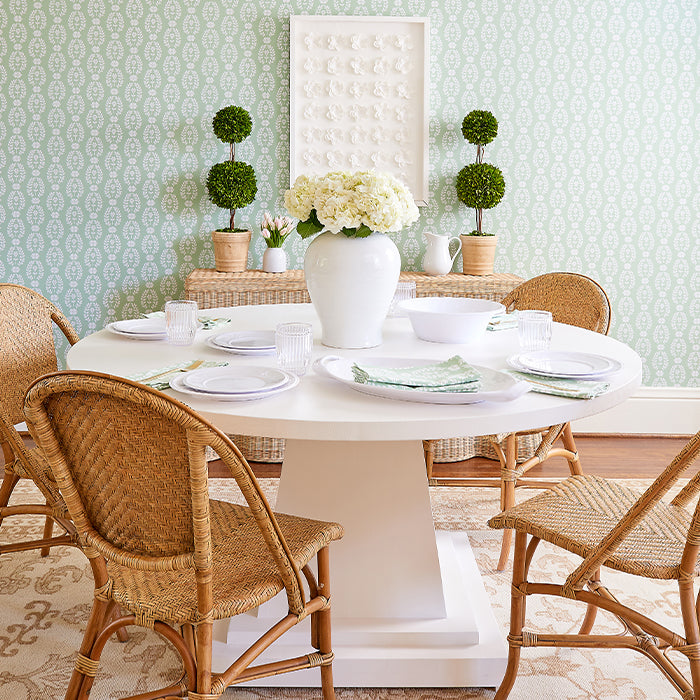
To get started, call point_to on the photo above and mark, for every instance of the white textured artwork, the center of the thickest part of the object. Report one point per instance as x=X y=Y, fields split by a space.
x=359 y=96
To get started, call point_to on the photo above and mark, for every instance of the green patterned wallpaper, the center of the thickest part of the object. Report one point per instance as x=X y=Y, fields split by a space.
x=105 y=142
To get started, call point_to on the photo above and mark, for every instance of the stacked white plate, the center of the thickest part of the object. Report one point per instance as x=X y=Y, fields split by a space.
x=245 y=342
x=564 y=364
x=234 y=383
x=139 y=328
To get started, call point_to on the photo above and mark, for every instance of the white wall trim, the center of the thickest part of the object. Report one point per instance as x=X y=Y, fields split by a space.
x=660 y=410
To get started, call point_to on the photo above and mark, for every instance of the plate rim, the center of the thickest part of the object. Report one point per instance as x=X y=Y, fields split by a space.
x=177 y=379
x=612 y=365
x=244 y=347
x=239 y=368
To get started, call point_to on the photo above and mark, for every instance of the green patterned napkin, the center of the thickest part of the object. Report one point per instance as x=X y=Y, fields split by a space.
x=502 y=322
x=207 y=322
x=163 y=375
x=453 y=375
x=571 y=388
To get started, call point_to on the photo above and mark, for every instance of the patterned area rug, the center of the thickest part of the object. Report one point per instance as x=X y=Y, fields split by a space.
x=45 y=603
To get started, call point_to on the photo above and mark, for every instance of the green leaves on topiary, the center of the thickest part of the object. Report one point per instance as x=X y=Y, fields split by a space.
x=479 y=127
x=232 y=124
x=480 y=185
x=232 y=184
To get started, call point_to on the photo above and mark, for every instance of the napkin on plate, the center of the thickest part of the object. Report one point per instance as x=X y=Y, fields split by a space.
x=502 y=322
x=571 y=388
x=163 y=375
x=208 y=322
x=453 y=375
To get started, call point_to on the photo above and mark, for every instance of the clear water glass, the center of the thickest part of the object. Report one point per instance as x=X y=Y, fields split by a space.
x=534 y=330
x=180 y=321
x=404 y=290
x=293 y=345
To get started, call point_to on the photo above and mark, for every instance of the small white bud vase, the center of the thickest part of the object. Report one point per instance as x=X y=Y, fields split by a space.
x=274 y=260
x=351 y=282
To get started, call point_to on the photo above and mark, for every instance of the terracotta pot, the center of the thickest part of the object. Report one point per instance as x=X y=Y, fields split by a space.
x=478 y=253
x=231 y=250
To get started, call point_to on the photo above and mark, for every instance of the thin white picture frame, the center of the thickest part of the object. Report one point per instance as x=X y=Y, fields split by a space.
x=359 y=97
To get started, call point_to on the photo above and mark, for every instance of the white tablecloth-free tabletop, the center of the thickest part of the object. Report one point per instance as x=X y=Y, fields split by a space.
x=409 y=608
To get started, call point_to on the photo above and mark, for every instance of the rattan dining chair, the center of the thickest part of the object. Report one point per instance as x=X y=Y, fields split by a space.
x=130 y=463
x=610 y=525
x=578 y=301
x=27 y=351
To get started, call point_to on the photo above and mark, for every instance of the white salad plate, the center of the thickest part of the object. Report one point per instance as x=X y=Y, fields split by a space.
x=564 y=364
x=245 y=340
x=142 y=328
x=238 y=351
x=177 y=383
x=495 y=386
x=235 y=380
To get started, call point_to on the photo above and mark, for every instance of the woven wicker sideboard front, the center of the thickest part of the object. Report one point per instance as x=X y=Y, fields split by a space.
x=210 y=289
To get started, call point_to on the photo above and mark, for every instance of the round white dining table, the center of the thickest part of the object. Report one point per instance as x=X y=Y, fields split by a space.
x=409 y=608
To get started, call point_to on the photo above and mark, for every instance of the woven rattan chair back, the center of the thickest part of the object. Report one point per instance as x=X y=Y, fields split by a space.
x=27 y=351
x=608 y=524
x=572 y=298
x=130 y=464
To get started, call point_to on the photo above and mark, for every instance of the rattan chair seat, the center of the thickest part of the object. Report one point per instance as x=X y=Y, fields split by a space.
x=240 y=584
x=579 y=512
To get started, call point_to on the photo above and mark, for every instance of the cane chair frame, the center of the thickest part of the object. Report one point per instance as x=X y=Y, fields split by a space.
x=573 y=299
x=126 y=560
x=28 y=351
x=611 y=526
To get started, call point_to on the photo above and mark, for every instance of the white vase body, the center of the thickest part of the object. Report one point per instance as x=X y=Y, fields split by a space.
x=351 y=282
x=274 y=260
x=437 y=259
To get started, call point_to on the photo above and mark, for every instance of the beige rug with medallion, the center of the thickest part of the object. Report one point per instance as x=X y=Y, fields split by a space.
x=44 y=605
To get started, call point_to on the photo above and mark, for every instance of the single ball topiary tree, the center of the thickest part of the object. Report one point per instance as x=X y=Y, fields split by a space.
x=232 y=184
x=480 y=185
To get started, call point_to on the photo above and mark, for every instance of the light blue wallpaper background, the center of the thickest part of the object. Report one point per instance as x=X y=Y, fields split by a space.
x=105 y=143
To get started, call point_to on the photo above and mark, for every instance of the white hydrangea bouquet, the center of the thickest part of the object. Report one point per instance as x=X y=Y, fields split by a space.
x=352 y=203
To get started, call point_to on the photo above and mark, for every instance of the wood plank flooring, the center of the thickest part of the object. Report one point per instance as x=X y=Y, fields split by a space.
x=613 y=456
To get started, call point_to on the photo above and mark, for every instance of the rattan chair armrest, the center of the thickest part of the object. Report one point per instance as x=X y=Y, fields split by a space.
x=65 y=325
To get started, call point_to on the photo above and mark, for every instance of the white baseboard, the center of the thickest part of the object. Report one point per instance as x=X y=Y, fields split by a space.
x=660 y=410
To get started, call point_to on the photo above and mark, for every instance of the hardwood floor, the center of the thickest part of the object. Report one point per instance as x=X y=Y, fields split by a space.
x=613 y=456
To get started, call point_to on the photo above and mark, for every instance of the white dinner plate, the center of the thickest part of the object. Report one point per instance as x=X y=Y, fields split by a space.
x=564 y=364
x=495 y=386
x=237 y=351
x=177 y=383
x=245 y=340
x=139 y=328
x=235 y=380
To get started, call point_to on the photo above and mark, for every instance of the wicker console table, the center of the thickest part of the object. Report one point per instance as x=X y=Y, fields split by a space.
x=210 y=289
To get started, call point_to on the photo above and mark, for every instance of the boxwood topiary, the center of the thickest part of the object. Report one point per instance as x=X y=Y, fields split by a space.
x=480 y=185
x=232 y=184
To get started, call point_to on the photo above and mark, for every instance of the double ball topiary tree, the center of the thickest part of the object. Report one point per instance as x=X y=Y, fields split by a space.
x=232 y=184
x=480 y=185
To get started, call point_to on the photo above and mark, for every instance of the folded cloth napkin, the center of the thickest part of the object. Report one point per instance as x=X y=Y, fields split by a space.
x=163 y=375
x=208 y=322
x=453 y=375
x=571 y=388
x=502 y=322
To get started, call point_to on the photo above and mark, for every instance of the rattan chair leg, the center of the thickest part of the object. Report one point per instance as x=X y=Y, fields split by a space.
x=203 y=635
x=507 y=495
x=429 y=454
x=9 y=481
x=517 y=602
x=567 y=439
x=686 y=591
x=48 y=531
x=324 y=624
x=591 y=610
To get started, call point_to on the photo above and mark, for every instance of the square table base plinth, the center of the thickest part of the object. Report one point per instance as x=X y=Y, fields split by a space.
x=410 y=653
x=409 y=607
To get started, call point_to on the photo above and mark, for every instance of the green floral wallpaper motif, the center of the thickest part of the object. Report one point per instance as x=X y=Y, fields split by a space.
x=105 y=142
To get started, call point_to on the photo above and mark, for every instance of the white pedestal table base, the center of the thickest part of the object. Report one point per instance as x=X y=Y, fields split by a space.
x=409 y=606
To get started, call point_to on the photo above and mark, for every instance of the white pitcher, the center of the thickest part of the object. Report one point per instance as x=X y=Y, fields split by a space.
x=437 y=260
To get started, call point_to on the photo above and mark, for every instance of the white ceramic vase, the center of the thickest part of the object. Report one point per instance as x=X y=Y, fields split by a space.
x=351 y=282
x=274 y=260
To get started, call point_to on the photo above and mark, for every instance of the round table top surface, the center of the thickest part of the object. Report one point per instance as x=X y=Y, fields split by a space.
x=322 y=408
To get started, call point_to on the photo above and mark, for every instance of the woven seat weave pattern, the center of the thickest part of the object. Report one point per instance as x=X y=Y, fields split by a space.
x=577 y=513
x=244 y=577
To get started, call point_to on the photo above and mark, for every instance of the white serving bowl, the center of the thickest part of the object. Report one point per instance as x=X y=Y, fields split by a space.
x=450 y=319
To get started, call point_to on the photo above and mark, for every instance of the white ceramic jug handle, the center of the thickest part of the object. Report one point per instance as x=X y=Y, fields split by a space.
x=459 y=246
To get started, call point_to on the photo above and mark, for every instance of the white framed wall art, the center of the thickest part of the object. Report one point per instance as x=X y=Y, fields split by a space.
x=359 y=96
